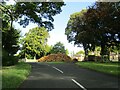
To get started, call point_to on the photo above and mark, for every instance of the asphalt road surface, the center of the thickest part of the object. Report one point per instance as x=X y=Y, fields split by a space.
x=67 y=75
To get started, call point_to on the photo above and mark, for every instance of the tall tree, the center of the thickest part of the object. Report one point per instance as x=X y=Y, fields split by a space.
x=104 y=19
x=7 y=13
x=98 y=26
x=58 y=48
x=10 y=39
x=37 y=12
x=76 y=30
x=35 y=42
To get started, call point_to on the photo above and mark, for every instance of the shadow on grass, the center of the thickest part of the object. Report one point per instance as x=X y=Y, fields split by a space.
x=13 y=76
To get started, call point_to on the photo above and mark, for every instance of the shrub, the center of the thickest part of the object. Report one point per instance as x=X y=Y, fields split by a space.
x=55 y=57
x=98 y=58
x=8 y=60
x=91 y=57
x=75 y=60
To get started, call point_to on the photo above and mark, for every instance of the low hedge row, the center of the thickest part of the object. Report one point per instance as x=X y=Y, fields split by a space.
x=8 y=60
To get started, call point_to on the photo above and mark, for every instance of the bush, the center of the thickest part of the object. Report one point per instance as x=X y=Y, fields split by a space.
x=8 y=60
x=98 y=58
x=91 y=57
x=55 y=57
x=75 y=60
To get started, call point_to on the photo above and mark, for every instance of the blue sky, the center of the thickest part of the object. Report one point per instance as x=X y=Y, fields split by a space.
x=60 y=23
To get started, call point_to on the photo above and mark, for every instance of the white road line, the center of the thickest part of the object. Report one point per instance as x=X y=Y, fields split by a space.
x=78 y=84
x=58 y=69
x=48 y=65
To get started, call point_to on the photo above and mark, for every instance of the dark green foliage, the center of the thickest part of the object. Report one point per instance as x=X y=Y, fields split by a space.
x=103 y=18
x=91 y=57
x=10 y=40
x=58 y=48
x=8 y=60
x=25 y=12
x=97 y=26
x=35 y=43
x=76 y=30
x=36 y=11
x=98 y=59
x=40 y=13
x=10 y=45
x=75 y=60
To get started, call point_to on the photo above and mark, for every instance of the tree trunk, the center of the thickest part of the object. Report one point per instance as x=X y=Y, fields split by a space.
x=11 y=24
x=86 y=55
x=102 y=52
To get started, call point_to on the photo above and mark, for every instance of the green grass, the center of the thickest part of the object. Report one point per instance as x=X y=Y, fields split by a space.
x=13 y=76
x=109 y=67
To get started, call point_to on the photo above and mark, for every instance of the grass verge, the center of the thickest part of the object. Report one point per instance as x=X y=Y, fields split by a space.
x=109 y=68
x=13 y=76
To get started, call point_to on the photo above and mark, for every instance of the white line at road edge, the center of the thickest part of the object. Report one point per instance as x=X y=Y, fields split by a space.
x=78 y=84
x=58 y=69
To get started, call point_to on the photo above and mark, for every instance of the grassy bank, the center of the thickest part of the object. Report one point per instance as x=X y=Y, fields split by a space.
x=109 y=68
x=13 y=76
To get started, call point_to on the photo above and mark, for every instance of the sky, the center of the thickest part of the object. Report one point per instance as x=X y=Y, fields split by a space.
x=60 y=23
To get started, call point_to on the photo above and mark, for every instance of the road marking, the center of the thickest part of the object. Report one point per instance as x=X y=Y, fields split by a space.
x=48 y=65
x=78 y=84
x=58 y=69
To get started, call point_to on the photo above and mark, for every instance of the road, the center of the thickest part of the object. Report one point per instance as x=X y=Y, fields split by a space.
x=67 y=75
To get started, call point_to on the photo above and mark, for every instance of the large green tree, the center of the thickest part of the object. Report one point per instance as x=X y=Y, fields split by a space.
x=40 y=13
x=98 y=26
x=76 y=30
x=10 y=35
x=35 y=43
x=103 y=19
x=10 y=41
x=58 y=48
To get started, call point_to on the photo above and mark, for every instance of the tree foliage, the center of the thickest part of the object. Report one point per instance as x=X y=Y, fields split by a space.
x=40 y=13
x=104 y=22
x=35 y=43
x=76 y=30
x=80 y=52
x=7 y=14
x=10 y=38
x=97 y=26
x=58 y=48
